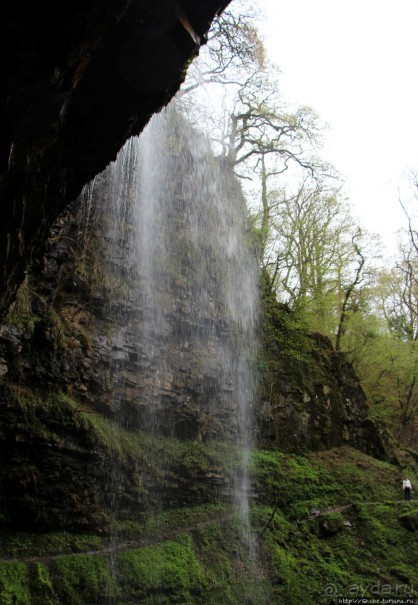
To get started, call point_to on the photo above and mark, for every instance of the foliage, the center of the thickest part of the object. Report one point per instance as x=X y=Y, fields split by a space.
x=284 y=333
x=82 y=579
x=313 y=260
x=170 y=572
x=42 y=592
x=198 y=555
x=21 y=313
x=208 y=565
x=14 y=584
x=321 y=265
x=359 y=498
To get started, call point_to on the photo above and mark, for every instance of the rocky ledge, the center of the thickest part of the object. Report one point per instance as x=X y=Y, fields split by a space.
x=78 y=79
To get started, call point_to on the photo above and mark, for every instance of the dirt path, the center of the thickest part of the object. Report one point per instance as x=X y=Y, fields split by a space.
x=114 y=547
x=340 y=508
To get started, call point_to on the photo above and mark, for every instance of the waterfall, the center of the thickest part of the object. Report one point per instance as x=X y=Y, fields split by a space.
x=201 y=280
x=179 y=251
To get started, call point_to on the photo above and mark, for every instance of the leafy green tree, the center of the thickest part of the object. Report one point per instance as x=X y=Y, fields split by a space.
x=314 y=256
x=383 y=344
x=388 y=370
x=348 y=289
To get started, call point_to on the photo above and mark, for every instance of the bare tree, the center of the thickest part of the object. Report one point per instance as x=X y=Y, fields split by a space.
x=234 y=52
x=259 y=126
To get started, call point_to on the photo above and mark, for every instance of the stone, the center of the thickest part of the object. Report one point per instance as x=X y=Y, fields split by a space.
x=326 y=525
x=315 y=400
x=409 y=520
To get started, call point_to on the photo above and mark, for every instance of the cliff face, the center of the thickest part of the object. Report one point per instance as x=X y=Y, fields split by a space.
x=311 y=398
x=96 y=348
x=82 y=367
x=98 y=322
x=76 y=81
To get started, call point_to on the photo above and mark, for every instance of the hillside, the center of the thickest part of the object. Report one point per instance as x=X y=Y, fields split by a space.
x=328 y=523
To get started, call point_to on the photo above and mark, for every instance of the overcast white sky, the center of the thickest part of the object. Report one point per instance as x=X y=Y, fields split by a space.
x=356 y=63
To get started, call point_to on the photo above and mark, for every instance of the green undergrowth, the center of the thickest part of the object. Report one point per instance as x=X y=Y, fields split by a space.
x=209 y=564
x=39 y=412
x=333 y=525
x=14 y=584
x=123 y=443
x=334 y=477
x=17 y=544
x=152 y=527
x=367 y=552
x=329 y=523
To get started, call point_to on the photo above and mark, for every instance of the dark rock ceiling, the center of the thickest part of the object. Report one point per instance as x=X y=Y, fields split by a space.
x=77 y=79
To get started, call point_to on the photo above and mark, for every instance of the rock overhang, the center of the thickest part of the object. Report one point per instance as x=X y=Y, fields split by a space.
x=78 y=80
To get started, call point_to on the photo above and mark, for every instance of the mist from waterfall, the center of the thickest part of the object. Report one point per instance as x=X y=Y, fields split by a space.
x=179 y=250
x=193 y=243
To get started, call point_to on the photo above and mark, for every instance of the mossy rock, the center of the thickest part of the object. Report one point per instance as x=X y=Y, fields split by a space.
x=327 y=524
x=410 y=520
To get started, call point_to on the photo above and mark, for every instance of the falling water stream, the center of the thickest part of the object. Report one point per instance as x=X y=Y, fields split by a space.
x=179 y=244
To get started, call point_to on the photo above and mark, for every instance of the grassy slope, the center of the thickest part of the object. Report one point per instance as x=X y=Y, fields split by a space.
x=335 y=528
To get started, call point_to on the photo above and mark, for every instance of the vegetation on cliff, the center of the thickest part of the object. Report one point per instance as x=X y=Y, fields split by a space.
x=328 y=523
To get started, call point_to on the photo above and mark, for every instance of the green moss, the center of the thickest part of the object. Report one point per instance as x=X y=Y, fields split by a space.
x=14 y=584
x=164 y=522
x=360 y=477
x=409 y=520
x=20 y=313
x=232 y=575
x=216 y=562
x=292 y=482
x=21 y=544
x=327 y=524
x=364 y=545
x=164 y=573
x=283 y=332
x=42 y=592
x=207 y=564
x=47 y=413
x=83 y=579
x=198 y=555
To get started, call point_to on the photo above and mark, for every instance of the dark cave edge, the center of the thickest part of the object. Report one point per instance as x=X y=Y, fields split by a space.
x=77 y=82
